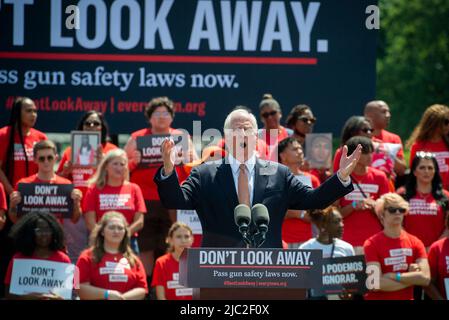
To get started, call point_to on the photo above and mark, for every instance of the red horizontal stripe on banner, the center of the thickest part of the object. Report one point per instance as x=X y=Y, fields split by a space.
x=255 y=267
x=155 y=58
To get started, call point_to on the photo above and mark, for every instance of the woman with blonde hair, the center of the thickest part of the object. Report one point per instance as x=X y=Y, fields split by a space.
x=110 y=190
x=166 y=269
x=431 y=135
x=399 y=257
x=110 y=270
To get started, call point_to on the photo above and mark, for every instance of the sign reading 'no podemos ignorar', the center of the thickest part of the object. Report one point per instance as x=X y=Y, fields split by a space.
x=207 y=55
x=40 y=276
x=250 y=268
x=45 y=197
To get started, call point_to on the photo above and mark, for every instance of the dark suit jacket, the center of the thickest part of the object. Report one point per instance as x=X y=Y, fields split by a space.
x=210 y=190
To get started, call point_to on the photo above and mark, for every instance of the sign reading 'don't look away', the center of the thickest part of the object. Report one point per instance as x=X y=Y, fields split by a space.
x=41 y=276
x=150 y=148
x=250 y=268
x=52 y=198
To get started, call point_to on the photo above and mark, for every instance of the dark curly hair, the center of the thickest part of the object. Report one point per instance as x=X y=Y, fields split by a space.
x=23 y=232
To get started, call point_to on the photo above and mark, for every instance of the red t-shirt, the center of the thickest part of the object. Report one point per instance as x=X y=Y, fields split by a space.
x=441 y=152
x=80 y=175
x=57 y=256
x=35 y=179
x=30 y=140
x=271 y=149
x=144 y=177
x=126 y=199
x=439 y=263
x=3 y=204
x=394 y=255
x=426 y=219
x=113 y=272
x=295 y=230
x=389 y=137
x=362 y=224
x=166 y=274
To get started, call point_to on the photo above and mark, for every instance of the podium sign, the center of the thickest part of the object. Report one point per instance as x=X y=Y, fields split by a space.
x=250 y=268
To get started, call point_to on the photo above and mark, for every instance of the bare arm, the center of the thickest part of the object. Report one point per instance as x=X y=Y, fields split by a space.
x=399 y=166
x=90 y=292
x=2 y=219
x=137 y=223
x=90 y=218
x=14 y=199
x=385 y=282
x=4 y=180
x=419 y=277
x=134 y=294
x=160 y=293
x=76 y=196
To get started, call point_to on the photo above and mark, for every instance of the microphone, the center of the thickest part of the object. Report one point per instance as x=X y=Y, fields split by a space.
x=242 y=218
x=261 y=219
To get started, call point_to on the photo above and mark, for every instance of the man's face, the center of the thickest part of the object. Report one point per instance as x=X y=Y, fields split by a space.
x=381 y=116
x=45 y=159
x=293 y=154
x=242 y=138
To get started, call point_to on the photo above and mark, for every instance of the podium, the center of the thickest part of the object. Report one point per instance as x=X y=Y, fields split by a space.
x=250 y=274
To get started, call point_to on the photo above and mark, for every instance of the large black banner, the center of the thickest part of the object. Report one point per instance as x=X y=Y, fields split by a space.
x=208 y=56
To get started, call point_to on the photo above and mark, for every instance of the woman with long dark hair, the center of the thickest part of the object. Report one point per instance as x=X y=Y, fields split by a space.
x=37 y=236
x=428 y=201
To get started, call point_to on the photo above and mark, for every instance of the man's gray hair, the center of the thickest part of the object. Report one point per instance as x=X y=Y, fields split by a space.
x=239 y=112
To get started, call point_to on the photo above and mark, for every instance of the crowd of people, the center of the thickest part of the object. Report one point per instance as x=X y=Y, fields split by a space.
x=127 y=244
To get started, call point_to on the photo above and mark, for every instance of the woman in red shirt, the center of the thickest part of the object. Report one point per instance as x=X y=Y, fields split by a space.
x=159 y=113
x=432 y=135
x=37 y=236
x=301 y=121
x=399 y=257
x=110 y=270
x=110 y=190
x=166 y=269
x=272 y=132
x=439 y=268
x=17 y=140
x=427 y=199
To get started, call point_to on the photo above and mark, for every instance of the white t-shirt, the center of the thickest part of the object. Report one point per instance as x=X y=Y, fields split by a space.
x=342 y=248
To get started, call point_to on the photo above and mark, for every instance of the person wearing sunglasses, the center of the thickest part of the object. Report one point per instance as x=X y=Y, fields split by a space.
x=272 y=132
x=432 y=135
x=45 y=156
x=357 y=208
x=361 y=126
x=378 y=112
x=109 y=270
x=398 y=257
x=429 y=202
x=301 y=121
x=36 y=236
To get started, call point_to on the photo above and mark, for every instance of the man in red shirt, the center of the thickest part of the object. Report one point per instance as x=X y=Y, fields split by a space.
x=45 y=156
x=378 y=112
x=399 y=257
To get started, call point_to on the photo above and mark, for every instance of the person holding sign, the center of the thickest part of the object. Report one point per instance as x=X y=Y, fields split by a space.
x=215 y=189
x=439 y=268
x=397 y=257
x=357 y=208
x=428 y=201
x=110 y=270
x=296 y=228
x=159 y=113
x=166 y=269
x=110 y=190
x=45 y=156
x=37 y=236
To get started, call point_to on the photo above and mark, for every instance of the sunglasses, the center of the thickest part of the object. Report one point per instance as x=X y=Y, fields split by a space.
x=425 y=155
x=92 y=123
x=393 y=210
x=48 y=158
x=269 y=114
x=367 y=130
x=307 y=120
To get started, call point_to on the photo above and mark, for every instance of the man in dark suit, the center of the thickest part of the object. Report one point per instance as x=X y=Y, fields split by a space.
x=215 y=189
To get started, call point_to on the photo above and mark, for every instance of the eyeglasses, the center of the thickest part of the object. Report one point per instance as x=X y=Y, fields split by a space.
x=159 y=114
x=367 y=130
x=307 y=120
x=394 y=210
x=48 y=158
x=425 y=155
x=42 y=231
x=269 y=114
x=92 y=123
